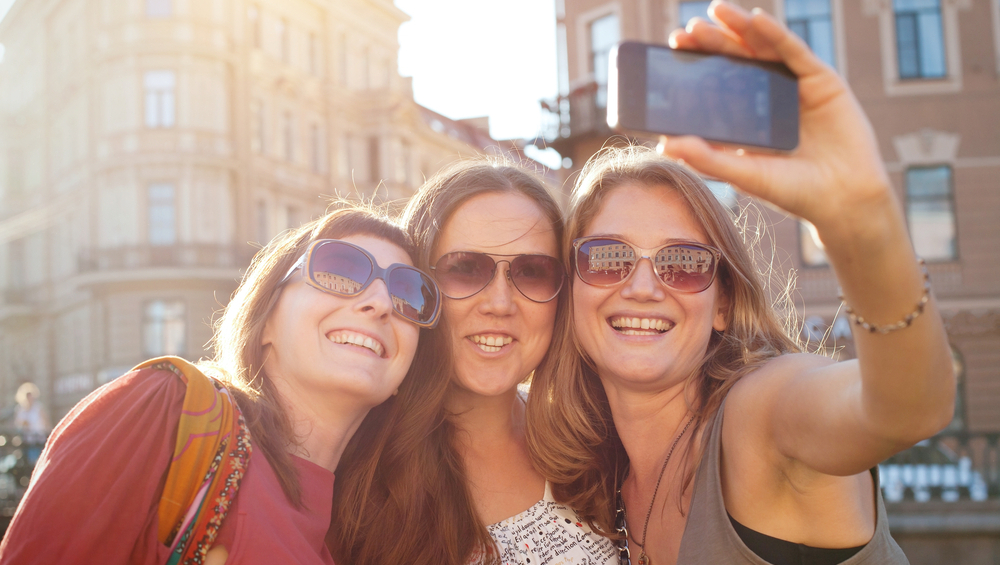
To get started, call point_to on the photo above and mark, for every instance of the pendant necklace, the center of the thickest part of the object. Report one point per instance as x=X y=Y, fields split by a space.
x=643 y=558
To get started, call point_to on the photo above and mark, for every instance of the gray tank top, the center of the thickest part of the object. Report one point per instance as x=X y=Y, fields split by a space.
x=709 y=538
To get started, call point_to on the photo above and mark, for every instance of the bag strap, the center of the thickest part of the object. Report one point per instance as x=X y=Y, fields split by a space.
x=210 y=457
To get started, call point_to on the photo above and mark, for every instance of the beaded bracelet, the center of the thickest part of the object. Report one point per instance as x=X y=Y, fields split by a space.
x=905 y=322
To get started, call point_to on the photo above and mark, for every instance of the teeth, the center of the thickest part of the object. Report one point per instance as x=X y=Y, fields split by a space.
x=491 y=344
x=628 y=326
x=357 y=339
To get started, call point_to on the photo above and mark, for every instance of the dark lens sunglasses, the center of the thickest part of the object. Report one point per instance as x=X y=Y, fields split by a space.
x=686 y=266
x=461 y=274
x=344 y=269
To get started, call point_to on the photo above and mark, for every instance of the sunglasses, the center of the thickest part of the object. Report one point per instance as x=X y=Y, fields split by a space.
x=461 y=274
x=344 y=269
x=686 y=266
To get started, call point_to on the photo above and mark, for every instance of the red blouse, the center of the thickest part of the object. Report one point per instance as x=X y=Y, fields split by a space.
x=94 y=493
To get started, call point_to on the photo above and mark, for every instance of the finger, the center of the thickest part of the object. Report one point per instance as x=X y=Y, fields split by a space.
x=738 y=22
x=704 y=36
x=790 y=48
x=735 y=168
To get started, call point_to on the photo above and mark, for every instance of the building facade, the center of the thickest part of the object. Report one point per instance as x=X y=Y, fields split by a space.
x=149 y=147
x=927 y=72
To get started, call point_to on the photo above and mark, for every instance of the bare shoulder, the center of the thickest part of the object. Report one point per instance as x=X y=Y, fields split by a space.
x=751 y=403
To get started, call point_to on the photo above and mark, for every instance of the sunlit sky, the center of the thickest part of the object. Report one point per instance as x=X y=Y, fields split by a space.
x=472 y=58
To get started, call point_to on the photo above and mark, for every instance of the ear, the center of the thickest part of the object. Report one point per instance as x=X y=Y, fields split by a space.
x=722 y=305
x=267 y=336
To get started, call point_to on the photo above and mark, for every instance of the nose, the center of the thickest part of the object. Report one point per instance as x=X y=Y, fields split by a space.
x=498 y=296
x=643 y=284
x=375 y=300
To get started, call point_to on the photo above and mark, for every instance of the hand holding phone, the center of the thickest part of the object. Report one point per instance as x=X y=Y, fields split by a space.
x=835 y=178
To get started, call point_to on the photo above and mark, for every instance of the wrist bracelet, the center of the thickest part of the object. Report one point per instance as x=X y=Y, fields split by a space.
x=905 y=322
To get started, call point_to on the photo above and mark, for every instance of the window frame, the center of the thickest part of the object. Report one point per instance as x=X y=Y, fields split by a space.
x=159 y=102
x=148 y=321
x=152 y=239
x=950 y=198
x=892 y=83
x=836 y=22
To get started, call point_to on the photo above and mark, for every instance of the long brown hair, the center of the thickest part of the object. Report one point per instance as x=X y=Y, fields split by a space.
x=414 y=505
x=239 y=355
x=570 y=430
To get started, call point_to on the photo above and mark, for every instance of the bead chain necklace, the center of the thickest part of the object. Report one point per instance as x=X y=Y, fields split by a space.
x=621 y=524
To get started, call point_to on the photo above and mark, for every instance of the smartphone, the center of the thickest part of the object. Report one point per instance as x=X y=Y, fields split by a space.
x=654 y=89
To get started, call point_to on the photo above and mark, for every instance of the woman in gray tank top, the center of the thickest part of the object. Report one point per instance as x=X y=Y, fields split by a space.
x=681 y=401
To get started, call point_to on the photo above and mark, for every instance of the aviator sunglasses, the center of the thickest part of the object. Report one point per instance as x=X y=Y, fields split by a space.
x=461 y=274
x=686 y=266
x=342 y=268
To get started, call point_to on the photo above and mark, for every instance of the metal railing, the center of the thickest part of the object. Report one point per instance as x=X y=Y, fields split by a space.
x=952 y=466
x=179 y=255
x=582 y=111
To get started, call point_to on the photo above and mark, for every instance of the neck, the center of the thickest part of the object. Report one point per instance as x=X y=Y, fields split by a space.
x=322 y=425
x=647 y=423
x=485 y=420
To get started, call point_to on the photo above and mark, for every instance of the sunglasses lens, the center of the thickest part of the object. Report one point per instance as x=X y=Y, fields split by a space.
x=339 y=268
x=538 y=277
x=688 y=268
x=604 y=262
x=413 y=294
x=462 y=274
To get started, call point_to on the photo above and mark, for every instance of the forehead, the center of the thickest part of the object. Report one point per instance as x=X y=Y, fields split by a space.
x=385 y=252
x=646 y=216
x=498 y=222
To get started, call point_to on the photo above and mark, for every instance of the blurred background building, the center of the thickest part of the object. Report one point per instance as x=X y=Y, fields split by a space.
x=149 y=147
x=927 y=72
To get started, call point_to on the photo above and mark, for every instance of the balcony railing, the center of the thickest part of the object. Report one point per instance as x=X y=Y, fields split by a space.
x=188 y=255
x=952 y=466
x=581 y=112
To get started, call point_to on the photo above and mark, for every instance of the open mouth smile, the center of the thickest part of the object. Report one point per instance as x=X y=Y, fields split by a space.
x=491 y=343
x=358 y=340
x=640 y=326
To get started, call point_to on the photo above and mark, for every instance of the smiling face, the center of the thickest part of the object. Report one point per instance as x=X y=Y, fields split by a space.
x=642 y=334
x=319 y=343
x=497 y=336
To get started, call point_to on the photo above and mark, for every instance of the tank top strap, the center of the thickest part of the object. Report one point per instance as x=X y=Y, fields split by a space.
x=709 y=537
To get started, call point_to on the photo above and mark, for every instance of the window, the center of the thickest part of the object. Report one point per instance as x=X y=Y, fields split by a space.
x=929 y=211
x=405 y=163
x=163 y=328
x=257 y=135
x=313 y=55
x=374 y=166
x=288 y=129
x=366 y=71
x=15 y=171
x=689 y=10
x=162 y=214
x=812 y=252
x=811 y=20
x=263 y=227
x=159 y=8
x=293 y=217
x=342 y=61
x=604 y=33
x=283 y=47
x=919 y=39
x=253 y=15
x=159 y=98
x=315 y=147
x=958 y=365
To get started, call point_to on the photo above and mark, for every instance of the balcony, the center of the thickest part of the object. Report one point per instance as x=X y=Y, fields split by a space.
x=183 y=256
x=952 y=466
x=578 y=115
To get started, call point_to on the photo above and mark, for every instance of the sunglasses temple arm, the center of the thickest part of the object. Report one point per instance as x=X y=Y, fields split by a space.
x=295 y=267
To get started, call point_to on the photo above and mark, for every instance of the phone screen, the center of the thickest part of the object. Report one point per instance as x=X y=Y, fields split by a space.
x=714 y=98
x=656 y=89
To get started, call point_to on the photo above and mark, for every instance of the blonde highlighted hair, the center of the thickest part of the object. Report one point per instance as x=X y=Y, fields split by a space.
x=570 y=430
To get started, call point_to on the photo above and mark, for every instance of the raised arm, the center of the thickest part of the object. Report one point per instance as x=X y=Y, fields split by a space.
x=836 y=418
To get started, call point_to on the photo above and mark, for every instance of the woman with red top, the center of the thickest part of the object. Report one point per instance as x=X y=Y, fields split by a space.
x=322 y=329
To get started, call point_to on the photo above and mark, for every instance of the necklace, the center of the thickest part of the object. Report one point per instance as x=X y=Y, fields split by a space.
x=621 y=522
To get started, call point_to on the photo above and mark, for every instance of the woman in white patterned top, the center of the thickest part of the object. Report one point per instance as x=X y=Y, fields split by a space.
x=467 y=490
